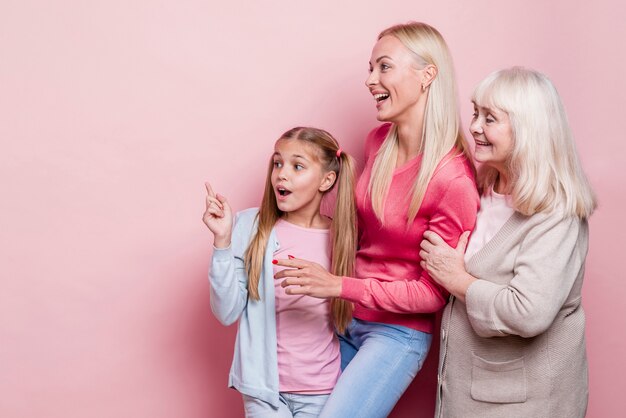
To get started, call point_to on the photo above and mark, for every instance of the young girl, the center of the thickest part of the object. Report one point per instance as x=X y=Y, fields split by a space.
x=286 y=358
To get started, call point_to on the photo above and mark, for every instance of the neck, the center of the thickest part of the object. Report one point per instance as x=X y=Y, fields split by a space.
x=502 y=185
x=410 y=134
x=307 y=219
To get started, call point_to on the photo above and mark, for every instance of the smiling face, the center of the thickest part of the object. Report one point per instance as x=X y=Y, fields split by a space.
x=298 y=178
x=395 y=81
x=493 y=136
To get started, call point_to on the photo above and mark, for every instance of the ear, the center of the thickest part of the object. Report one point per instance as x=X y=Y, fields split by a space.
x=429 y=73
x=327 y=181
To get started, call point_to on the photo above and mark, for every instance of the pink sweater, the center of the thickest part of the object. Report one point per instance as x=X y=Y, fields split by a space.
x=391 y=287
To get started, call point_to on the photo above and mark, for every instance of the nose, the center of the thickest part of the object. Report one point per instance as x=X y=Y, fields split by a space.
x=371 y=79
x=476 y=127
x=281 y=173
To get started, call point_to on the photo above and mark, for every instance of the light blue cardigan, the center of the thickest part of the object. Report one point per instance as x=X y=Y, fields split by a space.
x=254 y=371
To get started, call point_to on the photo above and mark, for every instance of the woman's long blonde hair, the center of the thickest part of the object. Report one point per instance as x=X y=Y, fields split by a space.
x=343 y=225
x=442 y=127
x=544 y=169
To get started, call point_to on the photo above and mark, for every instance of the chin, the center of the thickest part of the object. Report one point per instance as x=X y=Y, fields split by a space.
x=382 y=118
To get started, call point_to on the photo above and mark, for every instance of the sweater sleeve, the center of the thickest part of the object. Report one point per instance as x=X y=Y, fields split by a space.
x=454 y=214
x=549 y=261
x=228 y=279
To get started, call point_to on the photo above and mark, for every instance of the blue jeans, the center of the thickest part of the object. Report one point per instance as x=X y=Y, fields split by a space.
x=292 y=405
x=379 y=361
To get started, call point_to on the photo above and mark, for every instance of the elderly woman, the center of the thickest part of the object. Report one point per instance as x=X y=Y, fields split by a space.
x=513 y=334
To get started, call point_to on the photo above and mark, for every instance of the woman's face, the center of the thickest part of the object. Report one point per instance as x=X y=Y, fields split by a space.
x=493 y=136
x=395 y=80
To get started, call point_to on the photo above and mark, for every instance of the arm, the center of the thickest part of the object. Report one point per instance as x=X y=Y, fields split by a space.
x=229 y=285
x=454 y=214
x=549 y=261
x=227 y=276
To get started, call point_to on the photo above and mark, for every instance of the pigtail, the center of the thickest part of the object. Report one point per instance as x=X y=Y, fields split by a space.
x=255 y=253
x=344 y=236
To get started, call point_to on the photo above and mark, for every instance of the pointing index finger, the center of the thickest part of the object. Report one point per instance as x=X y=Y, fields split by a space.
x=292 y=262
x=209 y=190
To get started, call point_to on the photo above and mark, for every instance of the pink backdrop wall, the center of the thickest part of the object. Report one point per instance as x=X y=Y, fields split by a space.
x=112 y=114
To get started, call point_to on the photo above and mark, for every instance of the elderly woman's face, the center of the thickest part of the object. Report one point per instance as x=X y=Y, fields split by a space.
x=395 y=80
x=493 y=136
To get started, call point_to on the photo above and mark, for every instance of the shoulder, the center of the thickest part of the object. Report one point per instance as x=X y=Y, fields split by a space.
x=245 y=224
x=246 y=216
x=454 y=173
x=375 y=138
x=554 y=227
x=555 y=219
x=452 y=166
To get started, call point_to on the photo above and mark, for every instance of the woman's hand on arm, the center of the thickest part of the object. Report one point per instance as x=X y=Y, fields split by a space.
x=307 y=278
x=445 y=264
x=218 y=217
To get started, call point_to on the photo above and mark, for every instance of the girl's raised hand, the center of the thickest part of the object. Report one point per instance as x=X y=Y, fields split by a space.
x=218 y=216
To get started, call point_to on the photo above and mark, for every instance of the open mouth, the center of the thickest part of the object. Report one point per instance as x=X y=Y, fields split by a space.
x=482 y=143
x=283 y=192
x=380 y=97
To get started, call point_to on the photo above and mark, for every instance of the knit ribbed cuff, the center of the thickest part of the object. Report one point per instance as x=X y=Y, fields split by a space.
x=220 y=254
x=352 y=289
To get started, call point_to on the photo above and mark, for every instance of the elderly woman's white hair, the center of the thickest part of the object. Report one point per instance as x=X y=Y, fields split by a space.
x=544 y=169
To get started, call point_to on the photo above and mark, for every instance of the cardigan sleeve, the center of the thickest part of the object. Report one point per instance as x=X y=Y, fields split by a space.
x=454 y=214
x=550 y=259
x=228 y=279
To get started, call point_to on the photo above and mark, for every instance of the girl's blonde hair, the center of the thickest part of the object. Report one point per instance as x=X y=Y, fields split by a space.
x=544 y=169
x=442 y=127
x=343 y=225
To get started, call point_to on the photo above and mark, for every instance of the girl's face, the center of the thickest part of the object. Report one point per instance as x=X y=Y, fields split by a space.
x=493 y=135
x=298 y=178
x=395 y=80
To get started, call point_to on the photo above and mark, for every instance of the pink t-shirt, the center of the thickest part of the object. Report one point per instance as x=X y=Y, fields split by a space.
x=495 y=210
x=308 y=350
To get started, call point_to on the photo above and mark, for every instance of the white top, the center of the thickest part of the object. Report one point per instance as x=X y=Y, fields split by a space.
x=495 y=210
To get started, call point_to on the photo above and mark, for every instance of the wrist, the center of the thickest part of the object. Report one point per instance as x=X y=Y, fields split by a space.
x=338 y=285
x=462 y=284
x=221 y=241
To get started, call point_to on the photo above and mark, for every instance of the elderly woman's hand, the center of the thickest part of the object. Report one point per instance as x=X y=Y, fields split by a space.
x=307 y=278
x=446 y=264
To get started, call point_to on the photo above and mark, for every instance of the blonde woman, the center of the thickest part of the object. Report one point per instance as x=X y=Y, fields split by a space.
x=513 y=336
x=417 y=176
x=280 y=333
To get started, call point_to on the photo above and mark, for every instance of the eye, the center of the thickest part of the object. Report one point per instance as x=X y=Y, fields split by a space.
x=298 y=167
x=489 y=119
x=475 y=114
x=370 y=69
x=278 y=164
x=384 y=67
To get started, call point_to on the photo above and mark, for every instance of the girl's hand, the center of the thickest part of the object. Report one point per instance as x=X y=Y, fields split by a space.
x=446 y=265
x=218 y=216
x=308 y=278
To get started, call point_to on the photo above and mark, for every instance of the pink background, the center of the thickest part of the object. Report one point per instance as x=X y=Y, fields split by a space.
x=112 y=114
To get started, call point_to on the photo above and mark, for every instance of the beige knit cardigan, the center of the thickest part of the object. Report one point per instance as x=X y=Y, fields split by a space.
x=516 y=348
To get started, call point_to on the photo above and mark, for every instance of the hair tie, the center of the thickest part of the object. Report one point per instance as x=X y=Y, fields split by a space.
x=339 y=153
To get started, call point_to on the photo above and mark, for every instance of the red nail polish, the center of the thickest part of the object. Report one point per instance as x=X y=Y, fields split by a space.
x=274 y=261
x=291 y=256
